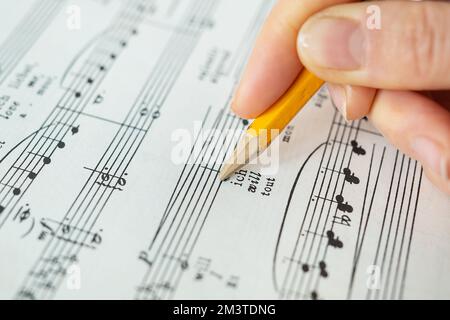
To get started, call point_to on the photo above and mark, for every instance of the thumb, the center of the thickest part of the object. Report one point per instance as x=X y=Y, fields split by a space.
x=380 y=44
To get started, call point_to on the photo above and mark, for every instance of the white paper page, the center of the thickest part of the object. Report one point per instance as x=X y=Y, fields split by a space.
x=99 y=198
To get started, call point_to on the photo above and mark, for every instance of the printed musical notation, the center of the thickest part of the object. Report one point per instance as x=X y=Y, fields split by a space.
x=26 y=33
x=93 y=204
x=326 y=221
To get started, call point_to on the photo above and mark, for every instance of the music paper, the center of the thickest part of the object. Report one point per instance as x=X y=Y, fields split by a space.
x=113 y=122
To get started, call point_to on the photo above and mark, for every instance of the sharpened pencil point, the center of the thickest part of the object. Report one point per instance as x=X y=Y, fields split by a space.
x=271 y=122
x=228 y=170
x=247 y=149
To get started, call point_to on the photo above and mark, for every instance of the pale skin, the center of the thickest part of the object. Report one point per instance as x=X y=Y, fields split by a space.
x=397 y=75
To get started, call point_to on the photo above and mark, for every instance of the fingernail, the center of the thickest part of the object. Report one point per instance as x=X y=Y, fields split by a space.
x=339 y=97
x=429 y=153
x=334 y=43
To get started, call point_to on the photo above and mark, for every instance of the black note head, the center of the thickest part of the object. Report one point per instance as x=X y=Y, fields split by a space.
x=75 y=129
x=199 y=276
x=305 y=267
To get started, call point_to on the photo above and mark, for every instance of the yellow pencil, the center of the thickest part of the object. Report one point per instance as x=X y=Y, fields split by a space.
x=269 y=124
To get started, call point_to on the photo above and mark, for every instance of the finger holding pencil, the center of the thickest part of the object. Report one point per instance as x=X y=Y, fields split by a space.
x=396 y=75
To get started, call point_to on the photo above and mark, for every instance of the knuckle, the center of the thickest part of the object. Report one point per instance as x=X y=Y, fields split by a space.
x=425 y=41
x=287 y=26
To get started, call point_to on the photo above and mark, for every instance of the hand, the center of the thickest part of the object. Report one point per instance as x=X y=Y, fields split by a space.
x=389 y=60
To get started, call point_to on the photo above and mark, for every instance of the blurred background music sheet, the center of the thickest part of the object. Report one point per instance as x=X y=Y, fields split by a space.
x=114 y=122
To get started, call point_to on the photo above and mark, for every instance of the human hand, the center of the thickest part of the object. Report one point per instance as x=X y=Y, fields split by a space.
x=397 y=73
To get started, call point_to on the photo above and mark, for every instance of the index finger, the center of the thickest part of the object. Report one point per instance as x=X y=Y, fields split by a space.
x=274 y=62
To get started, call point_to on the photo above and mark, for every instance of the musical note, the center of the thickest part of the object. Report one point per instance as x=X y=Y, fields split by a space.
x=345 y=207
x=334 y=241
x=75 y=130
x=23 y=214
x=107 y=179
x=198 y=276
x=202 y=266
x=156 y=114
x=66 y=228
x=184 y=265
x=105 y=176
x=143 y=112
x=143 y=256
x=60 y=143
x=98 y=99
x=45 y=159
x=350 y=176
x=32 y=175
x=323 y=269
x=233 y=282
x=65 y=232
x=357 y=149
x=96 y=238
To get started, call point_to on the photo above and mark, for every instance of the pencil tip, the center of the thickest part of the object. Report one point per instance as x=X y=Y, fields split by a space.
x=246 y=150
x=224 y=174
x=228 y=170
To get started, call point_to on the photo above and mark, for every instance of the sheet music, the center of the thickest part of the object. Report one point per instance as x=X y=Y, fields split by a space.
x=99 y=200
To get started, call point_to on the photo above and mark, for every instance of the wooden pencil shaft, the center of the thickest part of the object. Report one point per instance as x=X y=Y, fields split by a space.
x=278 y=116
x=270 y=123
